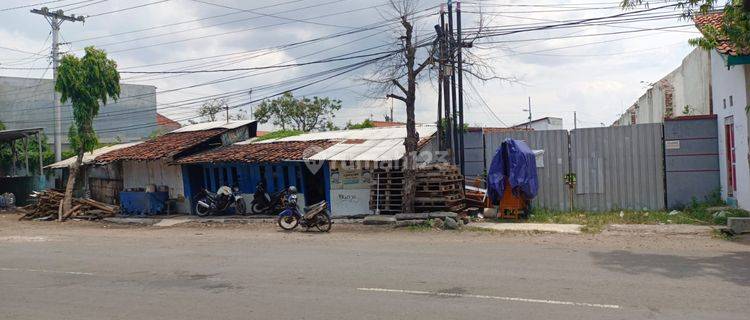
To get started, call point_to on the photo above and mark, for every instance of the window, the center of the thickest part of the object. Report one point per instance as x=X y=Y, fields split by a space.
x=731 y=101
x=725 y=103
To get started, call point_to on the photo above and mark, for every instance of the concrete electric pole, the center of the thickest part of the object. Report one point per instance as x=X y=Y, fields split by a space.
x=55 y=19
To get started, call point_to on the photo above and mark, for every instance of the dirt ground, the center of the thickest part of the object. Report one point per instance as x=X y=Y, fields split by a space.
x=10 y=227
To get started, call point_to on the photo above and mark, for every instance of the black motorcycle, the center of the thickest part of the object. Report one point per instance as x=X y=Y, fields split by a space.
x=264 y=203
x=314 y=216
x=208 y=203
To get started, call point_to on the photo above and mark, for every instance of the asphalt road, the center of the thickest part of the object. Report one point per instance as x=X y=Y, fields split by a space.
x=89 y=272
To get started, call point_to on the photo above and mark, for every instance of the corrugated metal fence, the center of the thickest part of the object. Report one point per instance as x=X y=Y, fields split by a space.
x=619 y=167
x=553 y=193
x=616 y=167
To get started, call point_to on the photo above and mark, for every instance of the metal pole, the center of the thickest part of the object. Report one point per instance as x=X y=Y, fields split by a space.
x=529 y=123
x=446 y=92
x=460 y=89
x=55 y=23
x=452 y=60
x=55 y=19
x=440 y=127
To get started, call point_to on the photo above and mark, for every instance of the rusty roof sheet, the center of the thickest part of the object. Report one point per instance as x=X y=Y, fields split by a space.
x=260 y=152
x=166 y=146
x=716 y=19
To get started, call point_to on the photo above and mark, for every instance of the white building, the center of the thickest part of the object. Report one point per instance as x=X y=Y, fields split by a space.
x=546 y=123
x=730 y=81
x=684 y=91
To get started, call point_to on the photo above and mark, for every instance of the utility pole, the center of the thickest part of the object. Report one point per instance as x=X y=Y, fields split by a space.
x=55 y=19
x=447 y=126
x=575 y=121
x=528 y=124
x=452 y=61
x=460 y=88
x=250 y=97
x=226 y=106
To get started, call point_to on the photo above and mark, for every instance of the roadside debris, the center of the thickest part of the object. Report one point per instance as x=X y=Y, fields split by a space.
x=48 y=206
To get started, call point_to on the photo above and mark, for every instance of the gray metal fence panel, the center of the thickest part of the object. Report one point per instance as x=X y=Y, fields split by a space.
x=691 y=159
x=473 y=154
x=553 y=193
x=619 y=167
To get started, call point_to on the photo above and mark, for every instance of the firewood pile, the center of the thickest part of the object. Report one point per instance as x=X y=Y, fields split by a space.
x=48 y=206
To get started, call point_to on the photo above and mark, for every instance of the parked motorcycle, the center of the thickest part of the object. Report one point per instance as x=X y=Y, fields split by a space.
x=267 y=203
x=208 y=203
x=315 y=216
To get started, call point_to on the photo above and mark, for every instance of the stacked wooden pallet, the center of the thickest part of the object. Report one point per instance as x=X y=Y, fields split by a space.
x=440 y=187
x=387 y=191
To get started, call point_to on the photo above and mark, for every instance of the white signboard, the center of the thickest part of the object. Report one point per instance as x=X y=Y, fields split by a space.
x=350 y=201
x=672 y=144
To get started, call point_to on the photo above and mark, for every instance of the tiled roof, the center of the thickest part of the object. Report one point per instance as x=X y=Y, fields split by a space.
x=167 y=123
x=716 y=19
x=381 y=124
x=165 y=146
x=260 y=152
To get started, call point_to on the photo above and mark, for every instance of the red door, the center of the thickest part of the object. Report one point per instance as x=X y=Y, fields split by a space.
x=731 y=158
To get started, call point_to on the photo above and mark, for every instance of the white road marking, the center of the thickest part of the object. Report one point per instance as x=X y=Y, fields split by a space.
x=461 y=295
x=48 y=271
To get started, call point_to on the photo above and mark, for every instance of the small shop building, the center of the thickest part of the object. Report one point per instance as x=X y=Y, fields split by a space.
x=336 y=166
x=151 y=165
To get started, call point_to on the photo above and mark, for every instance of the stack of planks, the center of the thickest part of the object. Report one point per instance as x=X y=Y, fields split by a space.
x=387 y=191
x=440 y=187
x=48 y=206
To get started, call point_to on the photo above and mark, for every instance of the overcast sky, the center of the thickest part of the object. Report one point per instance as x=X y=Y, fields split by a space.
x=563 y=70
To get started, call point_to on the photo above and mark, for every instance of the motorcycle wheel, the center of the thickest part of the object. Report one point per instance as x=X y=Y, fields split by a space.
x=200 y=210
x=239 y=206
x=288 y=222
x=257 y=208
x=323 y=222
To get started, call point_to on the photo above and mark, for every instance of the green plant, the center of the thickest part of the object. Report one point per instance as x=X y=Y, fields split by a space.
x=303 y=114
x=279 y=134
x=85 y=82
x=367 y=123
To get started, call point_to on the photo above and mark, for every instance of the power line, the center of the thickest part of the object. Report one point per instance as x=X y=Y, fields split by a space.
x=126 y=9
x=29 y=5
x=270 y=15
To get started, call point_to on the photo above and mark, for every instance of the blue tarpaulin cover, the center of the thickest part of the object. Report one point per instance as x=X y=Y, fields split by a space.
x=515 y=162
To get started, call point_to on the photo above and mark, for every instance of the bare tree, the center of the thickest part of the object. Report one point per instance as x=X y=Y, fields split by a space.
x=399 y=76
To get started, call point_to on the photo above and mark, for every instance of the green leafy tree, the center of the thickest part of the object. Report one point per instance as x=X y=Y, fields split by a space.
x=304 y=114
x=735 y=25
x=86 y=82
x=367 y=123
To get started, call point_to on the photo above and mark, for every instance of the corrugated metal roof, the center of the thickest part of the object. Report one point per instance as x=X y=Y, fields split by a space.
x=9 y=135
x=89 y=157
x=398 y=132
x=367 y=150
x=214 y=125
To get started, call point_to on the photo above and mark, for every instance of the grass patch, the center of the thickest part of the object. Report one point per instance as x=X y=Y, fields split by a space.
x=594 y=222
x=422 y=227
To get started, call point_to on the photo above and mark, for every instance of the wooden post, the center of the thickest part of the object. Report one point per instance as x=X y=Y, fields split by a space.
x=26 y=153
x=41 y=155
